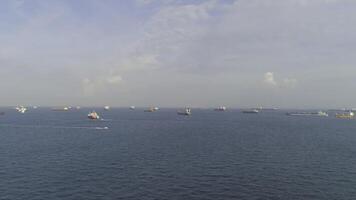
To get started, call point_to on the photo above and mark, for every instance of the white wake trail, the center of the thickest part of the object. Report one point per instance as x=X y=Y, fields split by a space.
x=54 y=127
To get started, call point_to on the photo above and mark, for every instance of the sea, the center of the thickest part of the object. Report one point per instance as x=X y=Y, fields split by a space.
x=210 y=155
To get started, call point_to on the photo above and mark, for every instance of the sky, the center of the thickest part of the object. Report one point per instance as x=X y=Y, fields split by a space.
x=176 y=53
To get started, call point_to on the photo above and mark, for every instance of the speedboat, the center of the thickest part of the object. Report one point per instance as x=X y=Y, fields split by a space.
x=106 y=108
x=93 y=115
x=132 y=107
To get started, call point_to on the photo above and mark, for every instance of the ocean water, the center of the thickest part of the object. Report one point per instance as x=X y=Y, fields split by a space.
x=161 y=155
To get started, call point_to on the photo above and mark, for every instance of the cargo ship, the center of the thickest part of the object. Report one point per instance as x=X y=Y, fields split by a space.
x=346 y=115
x=319 y=113
x=253 y=111
x=61 y=109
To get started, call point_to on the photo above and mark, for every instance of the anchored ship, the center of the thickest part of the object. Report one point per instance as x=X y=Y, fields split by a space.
x=21 y=109
x=253 y=111
x=186 y=111
x=220 y=108
x=152 y=109
x=346 y=115
x=319 y=113
x=61 y=109
x=93 y=115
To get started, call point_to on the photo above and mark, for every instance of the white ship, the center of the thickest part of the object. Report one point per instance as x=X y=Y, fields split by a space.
x=150 y=110
x=253 y=111
x=186 y=111
x=21 y=109
x=221 y=108
x=93 y=115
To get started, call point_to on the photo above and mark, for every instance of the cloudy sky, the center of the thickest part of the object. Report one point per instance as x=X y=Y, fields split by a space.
x=238 y=53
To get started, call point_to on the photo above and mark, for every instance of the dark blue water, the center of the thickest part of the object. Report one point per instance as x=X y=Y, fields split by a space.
x=160 y=155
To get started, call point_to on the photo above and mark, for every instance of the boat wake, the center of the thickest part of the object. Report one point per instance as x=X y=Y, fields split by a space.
x=102 y=128
x=54 y=127
x=106 y=120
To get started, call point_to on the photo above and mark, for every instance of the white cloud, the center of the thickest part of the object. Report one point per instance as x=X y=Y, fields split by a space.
x=269 y=79
x=92 y=86
x=88 y=86
x=289 y=82
x=114 y=79
x=144 y=2
x=139 y=62
x=171 y=32
x=147 y=2
x=203 y=40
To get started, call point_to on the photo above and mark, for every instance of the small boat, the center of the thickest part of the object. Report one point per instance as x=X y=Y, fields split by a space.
x=106 y=108
x=21 y=109
x=93 y=115
x=253 y=111
x=186 y=111
x=346 y=115
x=132 y=107
x=221 y=108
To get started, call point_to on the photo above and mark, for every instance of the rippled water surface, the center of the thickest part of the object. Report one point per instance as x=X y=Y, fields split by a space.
x=161 y=155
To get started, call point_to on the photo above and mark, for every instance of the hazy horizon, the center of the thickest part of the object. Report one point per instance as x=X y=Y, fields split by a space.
x=75 y=107
x=177 y=53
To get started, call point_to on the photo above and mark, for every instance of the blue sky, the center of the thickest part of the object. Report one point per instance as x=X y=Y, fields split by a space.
x=243 y=53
